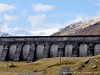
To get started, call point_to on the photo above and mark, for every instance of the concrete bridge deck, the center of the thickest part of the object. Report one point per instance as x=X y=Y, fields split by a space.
x=31 y=48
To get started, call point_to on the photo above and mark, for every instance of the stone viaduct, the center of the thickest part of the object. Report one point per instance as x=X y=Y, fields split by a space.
x=32 y=48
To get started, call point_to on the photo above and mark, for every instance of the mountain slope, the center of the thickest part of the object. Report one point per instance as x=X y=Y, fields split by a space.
x=88 y=27
x=90 y=30
x=4 y=34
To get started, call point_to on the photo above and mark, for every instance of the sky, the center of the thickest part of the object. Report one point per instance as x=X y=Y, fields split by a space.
x=43 y=17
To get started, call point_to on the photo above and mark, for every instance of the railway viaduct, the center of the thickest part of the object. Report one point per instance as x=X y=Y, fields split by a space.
x=32 y=48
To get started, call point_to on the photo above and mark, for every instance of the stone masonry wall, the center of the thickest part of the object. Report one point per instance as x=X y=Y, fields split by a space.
x=32 y=48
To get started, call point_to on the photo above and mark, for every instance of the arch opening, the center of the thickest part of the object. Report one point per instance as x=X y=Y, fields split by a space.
x=68 y=50
x=39 y=51
x=54 y=50
x=12 y=51
x=25 y=51
x=83 y=50
x=97 y=49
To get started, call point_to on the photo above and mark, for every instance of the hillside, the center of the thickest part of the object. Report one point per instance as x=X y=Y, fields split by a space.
x=52 y=66
x=4 y=34
x=88 y=27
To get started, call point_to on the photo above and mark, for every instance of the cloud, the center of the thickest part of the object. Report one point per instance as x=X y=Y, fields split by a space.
x=17 y=31
x=4 y=27
x=9 y=18
x=42 y=7
x=37 y=20
x=45 y=32
x=5 y=20
x=41 y=25
x=6 y=7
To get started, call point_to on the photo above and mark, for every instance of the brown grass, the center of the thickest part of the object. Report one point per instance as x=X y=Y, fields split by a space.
x=52 y=66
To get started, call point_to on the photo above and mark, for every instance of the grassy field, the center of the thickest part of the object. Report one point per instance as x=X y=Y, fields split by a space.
x=52 y=66
x=9 y=73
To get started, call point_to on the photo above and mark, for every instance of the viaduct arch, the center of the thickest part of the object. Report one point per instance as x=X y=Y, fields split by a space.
x=32 y=48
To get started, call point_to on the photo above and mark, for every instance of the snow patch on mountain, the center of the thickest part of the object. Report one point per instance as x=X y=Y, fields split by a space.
x=4 y=34
x=72 y=28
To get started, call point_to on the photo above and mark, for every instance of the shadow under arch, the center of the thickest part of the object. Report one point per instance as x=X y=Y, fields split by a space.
x=25 y=51
x=39 y=51
x=54 y=50
x=68 y=50
x=97 y=49
x=12 y=50
x=83 y=50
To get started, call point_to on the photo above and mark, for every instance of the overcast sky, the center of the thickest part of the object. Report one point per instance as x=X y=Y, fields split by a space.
x=43 y=17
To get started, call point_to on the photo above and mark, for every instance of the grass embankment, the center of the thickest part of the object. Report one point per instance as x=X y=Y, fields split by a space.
x=9 y=73
x=52 y=66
